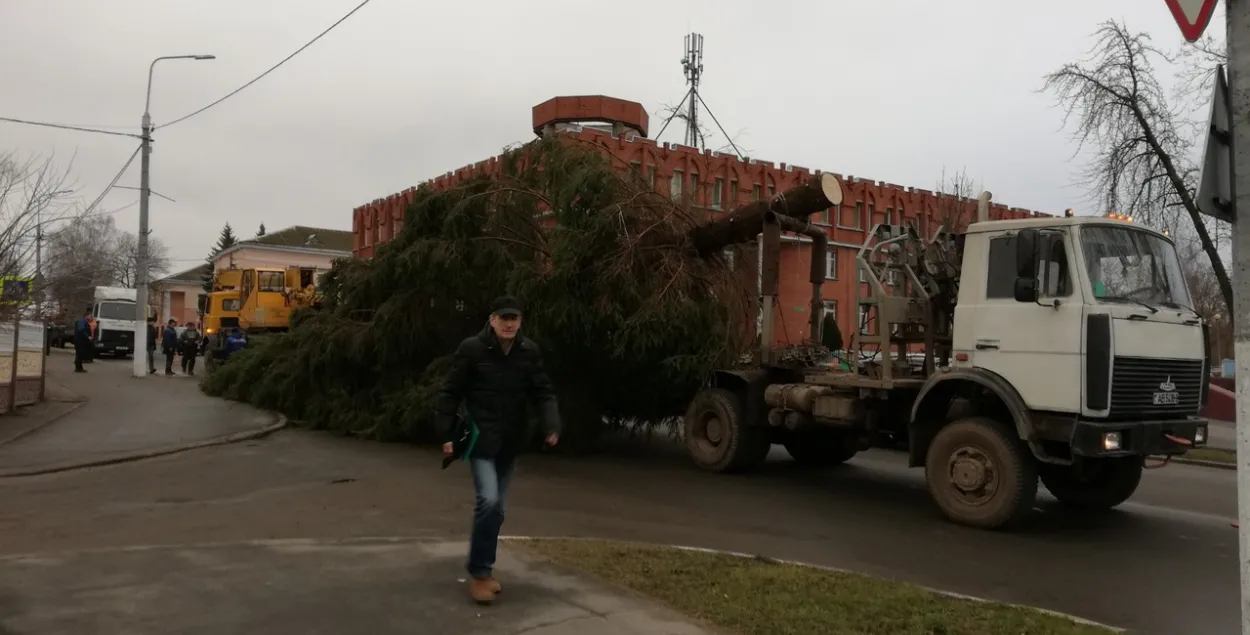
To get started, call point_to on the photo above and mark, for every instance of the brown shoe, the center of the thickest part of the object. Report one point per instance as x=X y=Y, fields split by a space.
x=481 y=590
x=495 y=587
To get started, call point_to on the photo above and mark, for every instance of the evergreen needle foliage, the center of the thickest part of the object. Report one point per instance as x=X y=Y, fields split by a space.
x=630 y=320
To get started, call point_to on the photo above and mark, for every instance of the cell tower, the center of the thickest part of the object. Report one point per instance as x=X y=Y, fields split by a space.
x=692 y=64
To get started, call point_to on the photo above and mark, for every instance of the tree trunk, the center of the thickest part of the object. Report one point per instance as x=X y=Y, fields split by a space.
x=742 y=225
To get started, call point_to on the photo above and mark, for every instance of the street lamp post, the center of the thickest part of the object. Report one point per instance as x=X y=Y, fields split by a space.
x=141 y=257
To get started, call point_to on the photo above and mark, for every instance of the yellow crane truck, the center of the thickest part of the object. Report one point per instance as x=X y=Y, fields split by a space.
x=256 y=300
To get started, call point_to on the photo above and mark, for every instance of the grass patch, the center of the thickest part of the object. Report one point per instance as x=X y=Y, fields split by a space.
x=754 y=597
x=1212 y=454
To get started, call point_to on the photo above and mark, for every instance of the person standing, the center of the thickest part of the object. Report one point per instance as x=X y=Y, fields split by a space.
x=189 y=344
x=151 y=345
x=169 y=345
x=494 y=375
x=82 y=342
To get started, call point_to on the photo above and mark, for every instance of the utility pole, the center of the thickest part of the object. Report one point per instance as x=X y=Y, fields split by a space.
x=1237 y=15
x=145 y=191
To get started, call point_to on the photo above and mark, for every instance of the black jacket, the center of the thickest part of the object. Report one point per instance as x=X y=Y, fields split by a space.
x=152 y=335
x=496 y=389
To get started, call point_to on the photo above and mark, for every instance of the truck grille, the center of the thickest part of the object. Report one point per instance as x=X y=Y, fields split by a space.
x=116 y=337
x=1136 y=380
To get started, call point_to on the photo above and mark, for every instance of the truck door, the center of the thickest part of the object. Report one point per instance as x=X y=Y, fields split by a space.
x=1034 y=345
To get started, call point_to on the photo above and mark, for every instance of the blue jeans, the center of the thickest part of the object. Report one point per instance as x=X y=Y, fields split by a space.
x=490 y=485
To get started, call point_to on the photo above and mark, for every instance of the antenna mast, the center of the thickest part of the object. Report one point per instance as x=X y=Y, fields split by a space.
x=692 y=63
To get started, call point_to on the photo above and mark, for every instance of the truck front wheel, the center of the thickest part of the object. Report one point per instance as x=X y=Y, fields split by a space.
x=718 y=435
x=979 y=474
x=1095 y=484
x=820 y=447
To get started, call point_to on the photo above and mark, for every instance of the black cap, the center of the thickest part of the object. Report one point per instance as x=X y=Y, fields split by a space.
x=506 y=306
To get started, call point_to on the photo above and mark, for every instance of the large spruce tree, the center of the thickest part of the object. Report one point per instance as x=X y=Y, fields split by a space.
x=631 y=320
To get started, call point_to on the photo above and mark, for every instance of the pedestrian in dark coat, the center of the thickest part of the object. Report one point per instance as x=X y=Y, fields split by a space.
x=495 y=375
x=151 y=345
x=169 y=345
x=82 y=342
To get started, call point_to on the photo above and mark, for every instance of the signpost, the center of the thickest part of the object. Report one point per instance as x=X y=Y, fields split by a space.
x=1192 y=16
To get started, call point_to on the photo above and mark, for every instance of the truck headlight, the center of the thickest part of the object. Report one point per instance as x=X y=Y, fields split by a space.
x=1200 y=435
x=1110 y=441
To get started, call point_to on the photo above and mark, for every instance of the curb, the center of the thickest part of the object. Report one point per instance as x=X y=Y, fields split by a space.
x=1205 y=463
x=151 y=454
x=735 y=554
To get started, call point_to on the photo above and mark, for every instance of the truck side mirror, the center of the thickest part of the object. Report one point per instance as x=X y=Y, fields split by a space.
x=1026 y=253
x=1026 y=289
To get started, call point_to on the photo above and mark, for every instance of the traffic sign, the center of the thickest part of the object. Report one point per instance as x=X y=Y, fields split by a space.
x=1192 y=16
x=1215 y=196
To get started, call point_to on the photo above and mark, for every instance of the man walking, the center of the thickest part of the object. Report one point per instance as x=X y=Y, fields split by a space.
x=494 y=374
x=169 y=345
x=190 y=347
x=82 y=342
x=151 y=344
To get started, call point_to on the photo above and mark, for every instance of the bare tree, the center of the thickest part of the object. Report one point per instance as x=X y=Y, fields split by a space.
x=125 y=254
x=34 y=191
x=92 y=251
x=956 y=194
x=1141 y=161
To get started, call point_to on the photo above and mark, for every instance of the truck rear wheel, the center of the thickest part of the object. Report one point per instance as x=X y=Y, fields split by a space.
x=979 y=474
x=820 y=447
x=718 y=435
x=1096 y=484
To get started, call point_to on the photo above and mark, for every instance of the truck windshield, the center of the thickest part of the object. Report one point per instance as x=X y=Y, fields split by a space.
x=1131 y=265
x=116 y=311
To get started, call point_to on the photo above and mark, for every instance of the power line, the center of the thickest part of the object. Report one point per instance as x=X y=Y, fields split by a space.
x=272 y=68
x=67 y=127
x=120 y=174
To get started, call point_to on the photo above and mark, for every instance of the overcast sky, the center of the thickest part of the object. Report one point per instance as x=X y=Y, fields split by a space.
x=404 y=90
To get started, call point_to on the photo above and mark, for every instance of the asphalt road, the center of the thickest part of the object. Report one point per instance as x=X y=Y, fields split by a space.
x=1163 y=564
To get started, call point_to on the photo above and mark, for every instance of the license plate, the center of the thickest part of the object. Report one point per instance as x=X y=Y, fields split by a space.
x=1166 y=398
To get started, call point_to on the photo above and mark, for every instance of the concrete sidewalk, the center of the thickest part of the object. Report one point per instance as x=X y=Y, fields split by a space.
x=375 y=586
x=122 y=416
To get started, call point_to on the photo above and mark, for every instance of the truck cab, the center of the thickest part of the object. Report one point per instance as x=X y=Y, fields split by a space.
x=1074 y=341
x=1099 y=308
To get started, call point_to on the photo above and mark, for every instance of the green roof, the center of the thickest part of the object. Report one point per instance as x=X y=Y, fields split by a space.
x=190 y=275
x=310 y=237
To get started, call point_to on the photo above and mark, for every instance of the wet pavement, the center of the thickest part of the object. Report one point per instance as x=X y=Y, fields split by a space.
x=123 y=415
x=1164 y=564
x=380 y=587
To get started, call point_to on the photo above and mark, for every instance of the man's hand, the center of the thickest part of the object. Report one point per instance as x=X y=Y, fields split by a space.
x=553 y=439
x=449 y=449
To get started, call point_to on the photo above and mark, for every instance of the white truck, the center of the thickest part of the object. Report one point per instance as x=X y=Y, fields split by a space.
x=114 y=311
x=1064 y=349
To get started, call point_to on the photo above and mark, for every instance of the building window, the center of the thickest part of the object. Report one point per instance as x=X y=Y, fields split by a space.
x=864 y=325
x=889 y=216
x=755 y=192
x=733 y=194
x=651 y=176
x=831 y=264
x=902 y=216
x=831 y=309
x=717 y=191
x=675 y=183
x=694 y=188
x=857 y=217
x=829 y=216
x=771 y=189
x=872 y=215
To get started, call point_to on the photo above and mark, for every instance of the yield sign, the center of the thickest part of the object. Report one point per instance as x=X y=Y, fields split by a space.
x=1192 y=16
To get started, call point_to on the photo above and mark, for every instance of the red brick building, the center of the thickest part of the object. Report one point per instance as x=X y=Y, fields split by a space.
x=718 y=182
